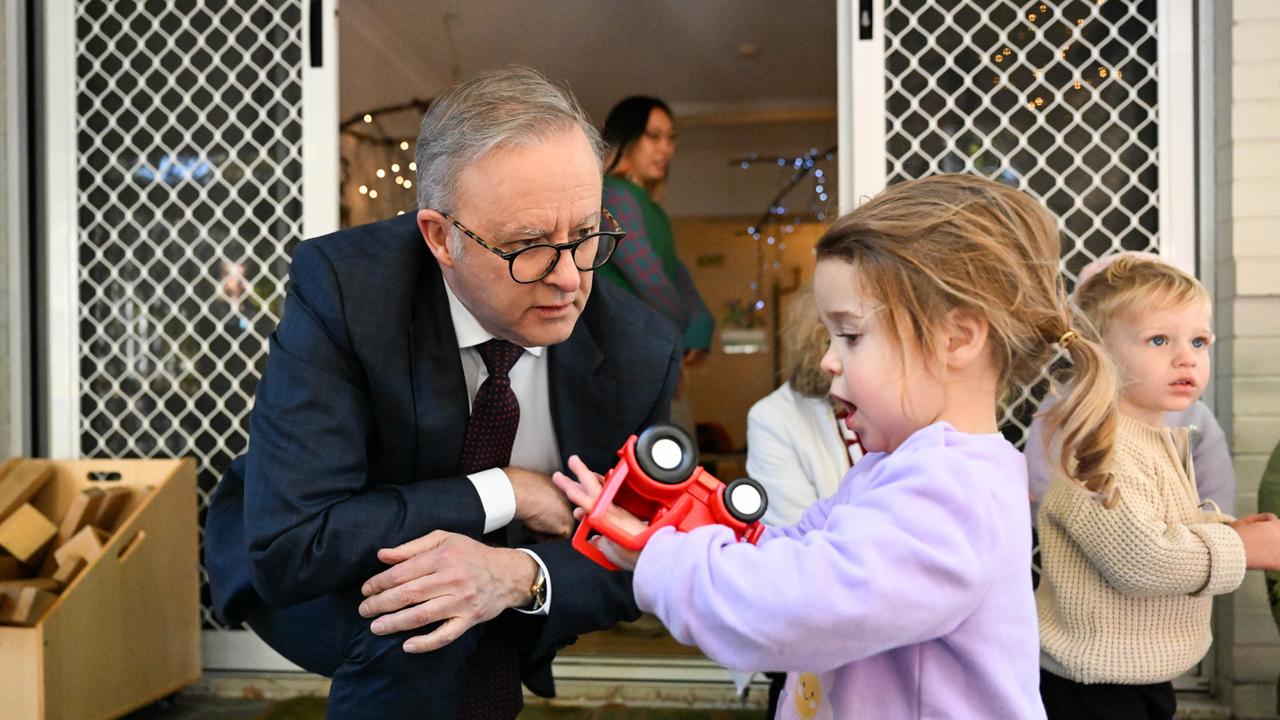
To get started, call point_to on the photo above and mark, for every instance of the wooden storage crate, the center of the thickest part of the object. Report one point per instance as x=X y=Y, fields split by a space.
x=126 y=631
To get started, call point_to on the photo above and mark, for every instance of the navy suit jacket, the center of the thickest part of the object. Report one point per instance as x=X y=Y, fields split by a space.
x=358 y=425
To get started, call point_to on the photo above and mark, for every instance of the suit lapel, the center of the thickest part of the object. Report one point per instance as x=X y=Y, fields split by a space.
x=583 y=398
x=439 y=388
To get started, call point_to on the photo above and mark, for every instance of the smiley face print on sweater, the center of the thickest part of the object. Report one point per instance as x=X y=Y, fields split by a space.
x=808 y=697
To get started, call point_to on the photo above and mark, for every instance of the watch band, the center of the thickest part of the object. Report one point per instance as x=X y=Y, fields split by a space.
x=538 y=589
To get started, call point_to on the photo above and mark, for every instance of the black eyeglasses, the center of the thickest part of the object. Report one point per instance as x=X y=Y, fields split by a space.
x=532 y=263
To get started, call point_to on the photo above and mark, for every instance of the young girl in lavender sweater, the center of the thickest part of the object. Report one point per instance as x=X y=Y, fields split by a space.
x=907 y=594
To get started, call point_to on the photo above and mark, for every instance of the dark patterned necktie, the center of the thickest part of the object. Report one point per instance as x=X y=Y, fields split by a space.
x=495 y=413
x=491 y=680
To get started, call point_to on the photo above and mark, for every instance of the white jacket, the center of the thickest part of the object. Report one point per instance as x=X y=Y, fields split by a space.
x=796 y=451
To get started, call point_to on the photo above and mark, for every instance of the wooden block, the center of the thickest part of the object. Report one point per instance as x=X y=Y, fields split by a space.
x=11 y=569
x=46 y=584
x=21 y=482
x=50 y=565
x=66 y=573
x=84 y=507
x=25 y=533
x=108 y=514
x=26 y=606
x=87 y=544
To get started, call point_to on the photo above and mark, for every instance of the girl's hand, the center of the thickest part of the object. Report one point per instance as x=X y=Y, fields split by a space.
x=583 y=494
x=1250 y=519
x=1261 y=538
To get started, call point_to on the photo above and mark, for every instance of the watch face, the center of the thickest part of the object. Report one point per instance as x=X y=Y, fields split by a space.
x=539 y=589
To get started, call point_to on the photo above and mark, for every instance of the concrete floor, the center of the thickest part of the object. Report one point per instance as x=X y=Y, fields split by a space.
x=187 y=707
x=202 y=707
x=184 y=707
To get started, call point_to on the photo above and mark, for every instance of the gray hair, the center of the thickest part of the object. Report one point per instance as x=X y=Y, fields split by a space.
x=508 y=106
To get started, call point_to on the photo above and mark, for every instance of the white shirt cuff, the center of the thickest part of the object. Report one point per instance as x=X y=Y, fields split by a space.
x=496 y=496
x=546 y=606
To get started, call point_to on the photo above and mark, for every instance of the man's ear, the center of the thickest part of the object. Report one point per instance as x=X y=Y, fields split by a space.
x=435 y=232
x=966 y=338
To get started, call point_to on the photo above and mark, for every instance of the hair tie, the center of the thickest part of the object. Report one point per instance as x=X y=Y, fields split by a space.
x=1067 y=338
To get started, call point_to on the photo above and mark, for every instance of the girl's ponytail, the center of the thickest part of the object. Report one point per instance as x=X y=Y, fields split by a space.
x=1085 y=420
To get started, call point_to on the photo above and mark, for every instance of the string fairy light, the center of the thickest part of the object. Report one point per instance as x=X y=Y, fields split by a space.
x=387 y=156
x=783 y=216
x=1039 y=18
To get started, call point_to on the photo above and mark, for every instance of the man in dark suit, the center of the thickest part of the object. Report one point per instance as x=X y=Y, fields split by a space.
x=371 y=476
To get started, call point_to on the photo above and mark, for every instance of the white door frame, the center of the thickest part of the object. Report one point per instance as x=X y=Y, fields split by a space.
x=1175 y=68
x=59 y=205
x=16 y=228
x=860 y=84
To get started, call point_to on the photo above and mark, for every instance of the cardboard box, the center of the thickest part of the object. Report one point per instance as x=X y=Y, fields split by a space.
x=125 y=631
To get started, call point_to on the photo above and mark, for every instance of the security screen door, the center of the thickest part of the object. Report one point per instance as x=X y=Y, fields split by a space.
x=1088 y=105
x=190 y=144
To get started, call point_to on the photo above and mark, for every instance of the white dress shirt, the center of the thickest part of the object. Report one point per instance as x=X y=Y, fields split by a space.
x=535 y=445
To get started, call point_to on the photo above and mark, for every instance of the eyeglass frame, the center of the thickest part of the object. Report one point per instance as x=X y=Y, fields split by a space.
x=511 y=255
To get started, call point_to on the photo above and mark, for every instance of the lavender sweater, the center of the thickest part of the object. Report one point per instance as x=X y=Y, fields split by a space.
x=907 y=594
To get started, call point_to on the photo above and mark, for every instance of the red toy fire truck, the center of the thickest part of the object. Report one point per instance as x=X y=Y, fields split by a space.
x=658 y=480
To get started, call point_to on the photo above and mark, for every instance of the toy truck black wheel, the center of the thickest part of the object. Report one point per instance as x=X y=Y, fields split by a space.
x=667 y=454
x=745 y=499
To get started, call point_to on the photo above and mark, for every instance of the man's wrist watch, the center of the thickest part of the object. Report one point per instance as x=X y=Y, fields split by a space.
x=538 y=589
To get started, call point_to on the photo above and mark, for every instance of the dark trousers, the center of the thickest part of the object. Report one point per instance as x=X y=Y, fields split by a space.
x=373 y=677
x=777 y=680
x=1069 y=700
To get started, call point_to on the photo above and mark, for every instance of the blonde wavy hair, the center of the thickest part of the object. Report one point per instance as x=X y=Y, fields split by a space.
x=804 y=341
x=1134 y=283
x=958 y=242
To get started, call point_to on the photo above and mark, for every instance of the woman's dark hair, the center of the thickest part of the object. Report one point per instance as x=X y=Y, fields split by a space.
x=626 y=123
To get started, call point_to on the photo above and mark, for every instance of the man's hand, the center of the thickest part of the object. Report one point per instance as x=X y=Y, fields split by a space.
x=583 y=494
x=1260 y=534
x=449 y=577
x=539 y=505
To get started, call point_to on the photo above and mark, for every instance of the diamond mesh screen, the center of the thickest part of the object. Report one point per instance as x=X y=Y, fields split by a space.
x=1055 y=98
x=188 y=134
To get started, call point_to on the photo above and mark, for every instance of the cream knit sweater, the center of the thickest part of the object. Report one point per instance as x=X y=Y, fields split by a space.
x=1125 y=594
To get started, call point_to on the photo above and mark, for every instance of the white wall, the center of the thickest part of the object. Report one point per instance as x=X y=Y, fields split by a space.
x=1251 y=653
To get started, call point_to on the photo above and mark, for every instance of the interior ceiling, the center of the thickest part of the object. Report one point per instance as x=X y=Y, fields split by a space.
x=704 y=57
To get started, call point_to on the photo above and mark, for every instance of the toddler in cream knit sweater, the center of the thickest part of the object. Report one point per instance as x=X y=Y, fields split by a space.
x=1131 y=560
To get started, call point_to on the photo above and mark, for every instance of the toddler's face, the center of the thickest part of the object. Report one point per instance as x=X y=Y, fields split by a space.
x=1163 y=354
x=866 y=361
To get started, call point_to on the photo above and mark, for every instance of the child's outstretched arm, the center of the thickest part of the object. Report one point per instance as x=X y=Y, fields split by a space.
x=583 y=494
x=905 y=561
